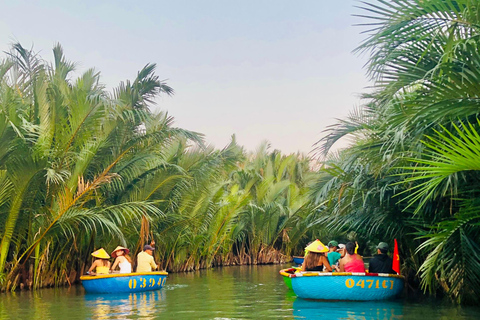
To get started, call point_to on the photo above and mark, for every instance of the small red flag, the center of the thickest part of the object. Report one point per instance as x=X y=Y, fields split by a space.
x=396 y=259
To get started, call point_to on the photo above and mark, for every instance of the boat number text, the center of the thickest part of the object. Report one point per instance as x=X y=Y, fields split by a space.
x=385 y=284
x=145 y=283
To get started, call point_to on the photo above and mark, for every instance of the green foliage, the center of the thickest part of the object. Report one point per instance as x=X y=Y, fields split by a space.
x=81 y=168
x=412 y=172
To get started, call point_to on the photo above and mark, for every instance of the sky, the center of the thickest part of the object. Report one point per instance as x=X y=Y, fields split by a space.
x=281 y=71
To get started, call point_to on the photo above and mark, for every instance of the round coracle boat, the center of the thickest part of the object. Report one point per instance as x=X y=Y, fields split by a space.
x=344 y=285
x=298 y=260
x=286 y=279
x=124 y=282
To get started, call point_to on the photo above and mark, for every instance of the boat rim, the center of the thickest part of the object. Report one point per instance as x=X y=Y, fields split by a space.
x=119 y=275
x=340 y=274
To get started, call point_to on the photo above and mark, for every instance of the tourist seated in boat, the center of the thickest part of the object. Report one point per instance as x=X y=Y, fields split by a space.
x=352 y=262
x=145 y=261
x=101 y=265
x=333 y=255
x=122 y=260
x=381 y=262
x=316 y=259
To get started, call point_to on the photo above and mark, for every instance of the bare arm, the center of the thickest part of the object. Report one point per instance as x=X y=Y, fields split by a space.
x=342 y=265
x=303 y=266
x=327 y=264
x=94 y=265
x=117 y=261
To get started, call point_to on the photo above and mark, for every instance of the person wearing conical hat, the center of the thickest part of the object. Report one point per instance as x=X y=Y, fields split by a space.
x=316 y=259
x=122 y=260
x=101 y=263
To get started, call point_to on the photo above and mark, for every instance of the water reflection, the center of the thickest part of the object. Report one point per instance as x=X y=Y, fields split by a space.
x=145 y=305
x=365 y=310
x=247 y=292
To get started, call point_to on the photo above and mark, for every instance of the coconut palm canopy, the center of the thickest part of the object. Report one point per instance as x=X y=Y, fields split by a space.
x=83 y=168
x=412 y=172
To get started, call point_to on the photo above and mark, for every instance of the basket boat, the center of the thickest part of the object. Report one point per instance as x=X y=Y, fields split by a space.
x=286 y=278
x=124 y=282
x=345 y=285
x=298 y=260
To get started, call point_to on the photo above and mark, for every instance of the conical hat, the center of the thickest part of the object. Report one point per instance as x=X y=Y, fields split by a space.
x=101 y=254
x=114 y=252
x=317 y=246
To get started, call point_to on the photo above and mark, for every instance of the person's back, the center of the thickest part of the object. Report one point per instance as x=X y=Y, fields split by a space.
x=145 y=261
x=352 y=262
x=333 y=256
x=316 y=259
x=102 y=269
x=125 y=266
x=381 y=262
x=101 y=265
x=354 y=265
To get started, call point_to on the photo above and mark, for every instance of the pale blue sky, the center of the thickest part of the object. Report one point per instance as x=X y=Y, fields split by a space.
x=265 y=70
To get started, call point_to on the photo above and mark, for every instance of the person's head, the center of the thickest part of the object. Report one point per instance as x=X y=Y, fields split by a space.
x=350 y=248
x=382 y=248
x=313 y=259
x=148 y=249
x=120 y=251
x=102 y=255
x=333 y=245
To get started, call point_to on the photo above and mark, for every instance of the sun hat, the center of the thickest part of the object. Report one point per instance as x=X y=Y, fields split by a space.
x=101 y=254
x=382 y=246
x=332 y=243
x=317 y=246
x=341 y=246
x=114 y=252
x=148 y=247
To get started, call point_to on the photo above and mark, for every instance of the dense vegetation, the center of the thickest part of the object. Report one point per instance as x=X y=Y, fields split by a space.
x=412 y=172
x=83 y=168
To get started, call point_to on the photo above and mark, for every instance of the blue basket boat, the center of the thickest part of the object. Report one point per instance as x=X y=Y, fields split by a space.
x=124 y=282
x=298 y=260
x=345 y=285
x=286 y=279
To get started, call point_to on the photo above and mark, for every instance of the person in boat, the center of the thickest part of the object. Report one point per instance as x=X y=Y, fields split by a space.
x=316 y=259
x=101 y=265
x=145 y=261
x=352 y=262
x=381 y=262
x=333 y=255
x=122 y=260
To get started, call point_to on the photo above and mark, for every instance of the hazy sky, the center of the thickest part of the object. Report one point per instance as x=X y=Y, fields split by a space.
x=278 y=70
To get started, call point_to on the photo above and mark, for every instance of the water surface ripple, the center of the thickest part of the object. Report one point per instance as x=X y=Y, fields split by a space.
x=247 y=292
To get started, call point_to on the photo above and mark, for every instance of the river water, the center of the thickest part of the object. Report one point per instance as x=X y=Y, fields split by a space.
x=246 y=292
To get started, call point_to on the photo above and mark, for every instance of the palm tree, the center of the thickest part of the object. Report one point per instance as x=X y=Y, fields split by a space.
x=424 y=63
x=69 y=149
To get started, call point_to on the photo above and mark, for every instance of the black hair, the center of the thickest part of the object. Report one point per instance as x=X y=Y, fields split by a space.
x=350 y=247
x=384 y=251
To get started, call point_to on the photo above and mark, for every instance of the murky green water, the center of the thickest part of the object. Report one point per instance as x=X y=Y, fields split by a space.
x=251 y=292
